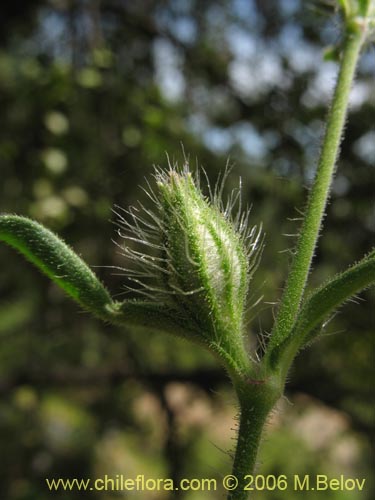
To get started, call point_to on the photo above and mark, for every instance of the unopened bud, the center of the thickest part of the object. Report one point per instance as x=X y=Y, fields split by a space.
x=203 y=259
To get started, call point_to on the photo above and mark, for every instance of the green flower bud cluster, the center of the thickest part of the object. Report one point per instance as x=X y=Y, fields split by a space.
x=196 y=258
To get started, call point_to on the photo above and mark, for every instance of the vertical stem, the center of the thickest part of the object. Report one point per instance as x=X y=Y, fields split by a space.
x=317 y=201
x=256 y=401
x=249 y=435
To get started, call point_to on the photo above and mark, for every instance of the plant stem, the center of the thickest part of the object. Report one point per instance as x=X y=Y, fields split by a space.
x=317 y=202
x=256 y=398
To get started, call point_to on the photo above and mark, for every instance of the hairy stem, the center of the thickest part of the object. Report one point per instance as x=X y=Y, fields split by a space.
x=317 y=201
x=257 y=398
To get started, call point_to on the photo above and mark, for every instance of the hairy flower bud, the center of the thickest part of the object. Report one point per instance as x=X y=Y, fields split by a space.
x=198 y=261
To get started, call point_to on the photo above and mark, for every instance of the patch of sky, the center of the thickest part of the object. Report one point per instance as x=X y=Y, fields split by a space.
x=250 y=139
x=217 y=139
x=320 y=89
x=309 y=139
x=162 y=18
x=360 y=93
x=302 y=56
x=216 y=21
x=184 y=29
x=197 y=123
x=290 y=36
x=243 y=134
x=364 y=147
x=51 y=36
x=183 y=6
x=340 y=185
x=168 y=73
x=330 y=32
x=178 y=22
x=241 y=43
x=305 y=135
x=255 y=76
x=289 y=7
x=367 y=61
x=247 y=10
x=284 y=166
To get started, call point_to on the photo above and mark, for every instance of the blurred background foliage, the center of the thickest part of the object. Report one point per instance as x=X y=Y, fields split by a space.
x=93 y=93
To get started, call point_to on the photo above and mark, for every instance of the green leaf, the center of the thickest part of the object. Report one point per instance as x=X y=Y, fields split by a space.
x=327 y=298
x=157 y=317
x=58 y=261
x=62 y=265
x=320 y=305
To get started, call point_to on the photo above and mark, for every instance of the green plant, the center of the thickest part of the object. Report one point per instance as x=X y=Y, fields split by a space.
x=196 y=263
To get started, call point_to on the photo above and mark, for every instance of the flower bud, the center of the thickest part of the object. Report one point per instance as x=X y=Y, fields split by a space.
x=201 y=262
